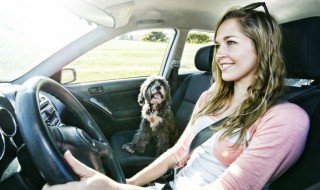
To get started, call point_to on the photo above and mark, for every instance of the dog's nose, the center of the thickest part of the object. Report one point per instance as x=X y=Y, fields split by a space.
x=158 y=87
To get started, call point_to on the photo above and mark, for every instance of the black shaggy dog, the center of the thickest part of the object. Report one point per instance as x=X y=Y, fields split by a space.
x=157 y=124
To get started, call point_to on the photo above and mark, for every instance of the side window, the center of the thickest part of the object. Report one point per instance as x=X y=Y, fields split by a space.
x=195 y=40
x=134 y=54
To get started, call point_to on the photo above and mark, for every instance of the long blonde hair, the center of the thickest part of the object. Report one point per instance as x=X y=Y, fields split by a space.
x=265 y=90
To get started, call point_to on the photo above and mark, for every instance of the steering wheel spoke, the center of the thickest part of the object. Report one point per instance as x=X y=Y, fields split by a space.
x=104 y=148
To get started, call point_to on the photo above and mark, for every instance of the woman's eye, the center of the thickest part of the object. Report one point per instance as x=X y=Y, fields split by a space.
x=231 y=42
x=217 y=46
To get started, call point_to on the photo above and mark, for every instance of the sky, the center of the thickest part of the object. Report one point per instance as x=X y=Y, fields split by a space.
x=38 y=17
x=31 y=30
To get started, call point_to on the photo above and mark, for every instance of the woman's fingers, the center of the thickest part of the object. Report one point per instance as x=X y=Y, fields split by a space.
x=67 y=186
x=79 y=168
x=88 y=177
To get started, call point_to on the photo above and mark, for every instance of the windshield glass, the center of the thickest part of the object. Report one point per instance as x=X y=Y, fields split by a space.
x=32 y=30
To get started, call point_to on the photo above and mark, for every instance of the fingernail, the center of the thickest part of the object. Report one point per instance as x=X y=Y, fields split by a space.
x=68 y=153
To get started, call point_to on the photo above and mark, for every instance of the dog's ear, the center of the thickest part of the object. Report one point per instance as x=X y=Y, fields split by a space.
x=141 y=98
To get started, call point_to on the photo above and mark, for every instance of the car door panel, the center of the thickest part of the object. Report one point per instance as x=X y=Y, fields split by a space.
x=113 y=104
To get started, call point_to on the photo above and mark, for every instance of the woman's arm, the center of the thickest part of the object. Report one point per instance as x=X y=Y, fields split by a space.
x=89 y=179
x=275 y=146
x=156 y=169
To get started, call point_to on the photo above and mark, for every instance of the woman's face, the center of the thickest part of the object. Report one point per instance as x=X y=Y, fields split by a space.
x=236 y=53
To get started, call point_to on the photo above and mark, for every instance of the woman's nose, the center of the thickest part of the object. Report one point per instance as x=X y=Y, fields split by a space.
x=220 y=56
x=220 y=53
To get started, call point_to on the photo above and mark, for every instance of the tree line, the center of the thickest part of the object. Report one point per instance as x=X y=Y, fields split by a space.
x=194 y=38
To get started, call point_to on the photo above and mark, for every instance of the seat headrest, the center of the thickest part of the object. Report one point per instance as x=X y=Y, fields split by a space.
x=301 y=48
x=203 y=58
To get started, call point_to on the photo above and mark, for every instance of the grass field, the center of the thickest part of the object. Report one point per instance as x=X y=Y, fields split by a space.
x=126 y=59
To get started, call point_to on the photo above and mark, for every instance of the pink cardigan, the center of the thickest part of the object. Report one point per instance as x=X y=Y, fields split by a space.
x=276 y=142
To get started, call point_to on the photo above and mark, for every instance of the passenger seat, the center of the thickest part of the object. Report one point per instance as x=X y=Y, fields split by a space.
x=186 y=96
x=183 y=102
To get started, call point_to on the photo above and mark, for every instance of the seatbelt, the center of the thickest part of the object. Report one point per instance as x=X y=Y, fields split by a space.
x=200 y=138
x=175 y=65
x=204 y=134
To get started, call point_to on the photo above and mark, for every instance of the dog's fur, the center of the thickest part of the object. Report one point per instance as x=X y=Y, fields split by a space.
x=157 y=118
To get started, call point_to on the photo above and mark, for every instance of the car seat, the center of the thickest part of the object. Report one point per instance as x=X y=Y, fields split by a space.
x=183 y=102
x=301 y=47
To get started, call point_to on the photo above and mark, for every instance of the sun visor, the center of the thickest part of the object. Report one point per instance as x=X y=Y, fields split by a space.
x=121 y=13
x=111 y=16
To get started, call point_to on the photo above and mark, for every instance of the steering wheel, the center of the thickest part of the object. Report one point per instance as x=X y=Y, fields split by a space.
x=47 y=143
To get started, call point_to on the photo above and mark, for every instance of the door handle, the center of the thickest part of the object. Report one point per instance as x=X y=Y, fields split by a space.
x=96 y=90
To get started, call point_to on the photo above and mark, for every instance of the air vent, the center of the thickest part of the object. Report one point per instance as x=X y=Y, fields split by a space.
x=48 y=112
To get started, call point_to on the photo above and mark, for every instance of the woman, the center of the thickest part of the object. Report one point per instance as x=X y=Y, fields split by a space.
x=262 y=136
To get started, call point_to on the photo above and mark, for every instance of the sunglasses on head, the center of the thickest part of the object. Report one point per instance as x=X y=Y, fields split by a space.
x=256 y=5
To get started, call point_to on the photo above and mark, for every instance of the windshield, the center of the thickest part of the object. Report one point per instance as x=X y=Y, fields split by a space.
x=32 y=30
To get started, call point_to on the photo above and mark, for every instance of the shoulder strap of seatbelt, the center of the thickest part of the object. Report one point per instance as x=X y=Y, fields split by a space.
x=175 y=64
x=204 y=135
x=200 y=138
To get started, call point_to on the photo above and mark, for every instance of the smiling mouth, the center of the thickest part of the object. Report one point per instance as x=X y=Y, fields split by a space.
x=226 y=65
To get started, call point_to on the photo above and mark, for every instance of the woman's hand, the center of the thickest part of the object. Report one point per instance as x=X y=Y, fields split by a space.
x=89 y=178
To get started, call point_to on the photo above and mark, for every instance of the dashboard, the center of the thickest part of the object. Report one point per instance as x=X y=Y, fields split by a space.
x=11 y=142
x=8 y=129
